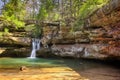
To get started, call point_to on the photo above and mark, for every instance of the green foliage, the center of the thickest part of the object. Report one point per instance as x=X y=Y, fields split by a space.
x=42 y=13
x=73 y=11
x=29 y=28
x=14 y=12
x=86 y=9
x=35 y=29
x=79 y=24
x=1 y=34
x=45 y=13
x=56 y=16
x=89 y=6
x=4 y=21
x=6 y=31
x=45 y=8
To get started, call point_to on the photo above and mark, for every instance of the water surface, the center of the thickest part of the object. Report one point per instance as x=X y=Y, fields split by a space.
x=92 y=69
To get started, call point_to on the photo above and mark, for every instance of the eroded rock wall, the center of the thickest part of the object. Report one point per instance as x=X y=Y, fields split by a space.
x=15 y=43
x=101 y=34
x=104 y=28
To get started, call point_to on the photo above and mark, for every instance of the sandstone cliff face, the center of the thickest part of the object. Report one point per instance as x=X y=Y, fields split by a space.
x=76 y=44
x=106 y=22
x=15 y=43
x=100 y=36
x=91 y=43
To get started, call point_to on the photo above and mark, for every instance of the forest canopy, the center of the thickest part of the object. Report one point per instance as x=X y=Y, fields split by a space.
x=69 y=12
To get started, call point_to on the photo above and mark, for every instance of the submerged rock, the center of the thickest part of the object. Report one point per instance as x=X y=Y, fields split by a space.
x=23 y=68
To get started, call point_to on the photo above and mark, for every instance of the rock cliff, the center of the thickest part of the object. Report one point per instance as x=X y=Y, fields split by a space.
x=99 y=38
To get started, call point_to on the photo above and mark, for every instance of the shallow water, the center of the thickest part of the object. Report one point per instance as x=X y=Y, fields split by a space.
x=29 y=62
x=92 y=69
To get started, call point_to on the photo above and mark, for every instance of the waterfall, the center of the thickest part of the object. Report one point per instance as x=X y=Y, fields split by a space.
x=35 y=47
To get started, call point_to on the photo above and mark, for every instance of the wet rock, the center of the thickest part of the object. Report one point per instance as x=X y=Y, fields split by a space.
x=44 y=52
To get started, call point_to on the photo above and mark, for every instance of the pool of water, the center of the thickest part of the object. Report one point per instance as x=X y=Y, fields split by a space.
x=92 y=69
x=32 y=63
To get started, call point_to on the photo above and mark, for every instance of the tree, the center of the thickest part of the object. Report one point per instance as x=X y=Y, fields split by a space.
x=87 y=8
x=14 y=12
x=46 y=7
x=4 y=1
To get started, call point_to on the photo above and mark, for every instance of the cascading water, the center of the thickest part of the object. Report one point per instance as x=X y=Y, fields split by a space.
x=35 y=47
